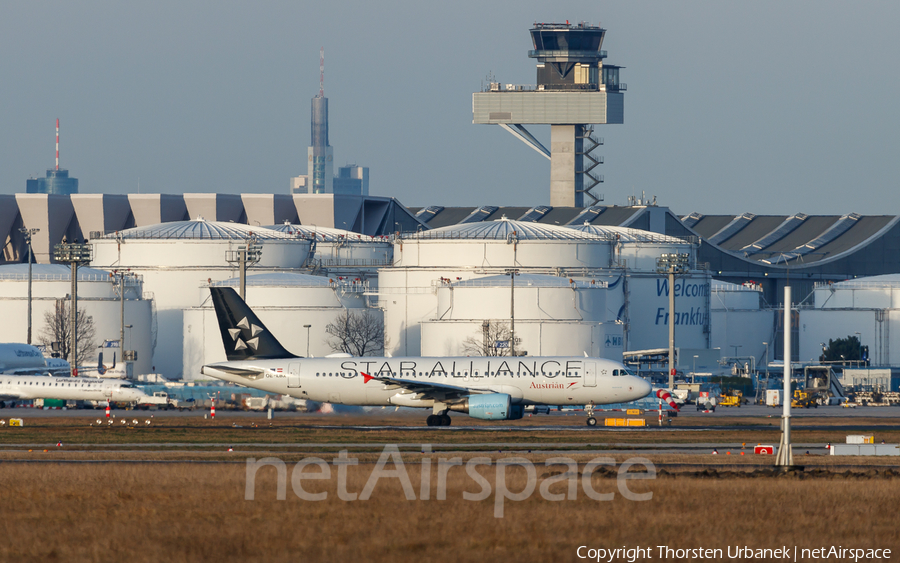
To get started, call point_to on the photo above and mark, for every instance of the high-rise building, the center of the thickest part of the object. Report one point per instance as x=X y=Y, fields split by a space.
x=57 y=181
x=320 y=178
x=352 y=180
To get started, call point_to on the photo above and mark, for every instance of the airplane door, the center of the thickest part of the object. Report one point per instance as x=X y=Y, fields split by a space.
x=590 y=374
x=293 y=376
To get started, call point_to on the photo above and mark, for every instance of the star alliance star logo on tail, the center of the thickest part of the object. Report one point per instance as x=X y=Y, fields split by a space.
x=252 y=342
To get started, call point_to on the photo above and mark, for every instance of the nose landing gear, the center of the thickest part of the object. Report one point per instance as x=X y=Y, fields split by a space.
x=589 y=409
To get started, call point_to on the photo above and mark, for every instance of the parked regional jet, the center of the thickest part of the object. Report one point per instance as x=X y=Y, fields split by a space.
x=24 y=359
x=26 y=387
x=489 y=388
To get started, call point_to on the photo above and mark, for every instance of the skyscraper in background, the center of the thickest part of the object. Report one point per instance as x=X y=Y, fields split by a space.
x=57 y=180
x=319 y=178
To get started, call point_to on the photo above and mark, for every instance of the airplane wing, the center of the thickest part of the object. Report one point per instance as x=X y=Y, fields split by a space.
x=425 y=389
x=28 y=371
x=9 y=396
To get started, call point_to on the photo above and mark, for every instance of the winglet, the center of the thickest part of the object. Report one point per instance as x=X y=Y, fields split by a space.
x=366 y=377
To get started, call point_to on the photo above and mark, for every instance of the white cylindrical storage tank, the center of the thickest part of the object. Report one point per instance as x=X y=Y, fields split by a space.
x=553 y=316
x=502 y=244
x=648 y=310
x=537 y=297
x=637 y=249
x=285 y=303
x=867 y=308
x=534 y=337
x=407 y=290
x=338 y=248
x=98 y=296
x=176 y=258
x=737 y=317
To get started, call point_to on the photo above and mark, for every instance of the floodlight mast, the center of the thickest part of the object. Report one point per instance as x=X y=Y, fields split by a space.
x=74 y=254
x=675 y=263
x=244 y=257
x=29 y=233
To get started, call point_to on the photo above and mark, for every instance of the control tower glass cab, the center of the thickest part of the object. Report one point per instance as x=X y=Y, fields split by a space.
x=570 y=58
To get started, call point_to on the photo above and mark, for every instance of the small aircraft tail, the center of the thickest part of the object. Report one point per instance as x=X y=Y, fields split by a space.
x=245 y=336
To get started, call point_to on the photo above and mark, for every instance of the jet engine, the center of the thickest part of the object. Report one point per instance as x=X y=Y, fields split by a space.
x=490 y=406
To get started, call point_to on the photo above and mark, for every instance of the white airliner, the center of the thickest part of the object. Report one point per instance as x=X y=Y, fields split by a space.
x=24 y=359
x=488 y=388
x=26 y=387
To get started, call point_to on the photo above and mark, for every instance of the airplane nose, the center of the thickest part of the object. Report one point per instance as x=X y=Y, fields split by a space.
x=641 y=387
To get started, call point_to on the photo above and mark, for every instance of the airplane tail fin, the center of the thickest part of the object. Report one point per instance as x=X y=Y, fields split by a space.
x=245 y=336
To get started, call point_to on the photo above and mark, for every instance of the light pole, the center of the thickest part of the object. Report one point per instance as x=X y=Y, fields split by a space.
x=766 y=344
x=28 y=234
x=307 y=327
x=74 y=254
x=693 y=373
x=512 y=310
x=675 y=263
x=244 y=257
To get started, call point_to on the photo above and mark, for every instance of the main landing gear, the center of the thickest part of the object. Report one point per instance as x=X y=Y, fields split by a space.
x=438 y=420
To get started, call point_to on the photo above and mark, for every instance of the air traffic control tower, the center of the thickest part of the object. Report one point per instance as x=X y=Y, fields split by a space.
x=575 y=89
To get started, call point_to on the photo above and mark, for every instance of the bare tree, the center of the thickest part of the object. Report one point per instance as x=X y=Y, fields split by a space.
x=359 y=333
x=57 y=328
x=485 y=344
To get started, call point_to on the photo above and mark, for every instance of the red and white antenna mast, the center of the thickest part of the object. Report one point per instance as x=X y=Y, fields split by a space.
x=322 y=72
x=57 y=143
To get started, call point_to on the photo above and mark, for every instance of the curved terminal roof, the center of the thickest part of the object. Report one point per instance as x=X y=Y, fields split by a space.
x=279 y=279
x=780 y=239
x=529 y=280
x=50 y=272
x=626 y=234
x=199 y=229
x=326 y=234
x=504 y=229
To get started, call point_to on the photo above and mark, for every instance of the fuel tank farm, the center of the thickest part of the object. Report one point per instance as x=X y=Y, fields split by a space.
x=178 y=259
x=580 y=289
x=341 y=252
x=554 y=316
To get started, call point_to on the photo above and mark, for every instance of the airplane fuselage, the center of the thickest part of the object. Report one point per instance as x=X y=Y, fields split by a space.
x=527 y=380
x=26 y=387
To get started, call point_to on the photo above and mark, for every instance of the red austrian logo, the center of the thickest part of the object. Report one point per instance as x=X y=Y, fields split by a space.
x=552 y=385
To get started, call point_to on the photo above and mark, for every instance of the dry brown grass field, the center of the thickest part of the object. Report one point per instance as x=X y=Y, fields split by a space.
x=171 y=491
x=191 y=512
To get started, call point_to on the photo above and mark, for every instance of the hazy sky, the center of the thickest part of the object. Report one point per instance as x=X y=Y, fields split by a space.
x=764 y=106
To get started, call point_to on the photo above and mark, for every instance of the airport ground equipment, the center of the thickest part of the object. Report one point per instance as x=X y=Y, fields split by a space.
x=803 y=399
x=706 y=402
x=732 y=398
x=823 y=385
